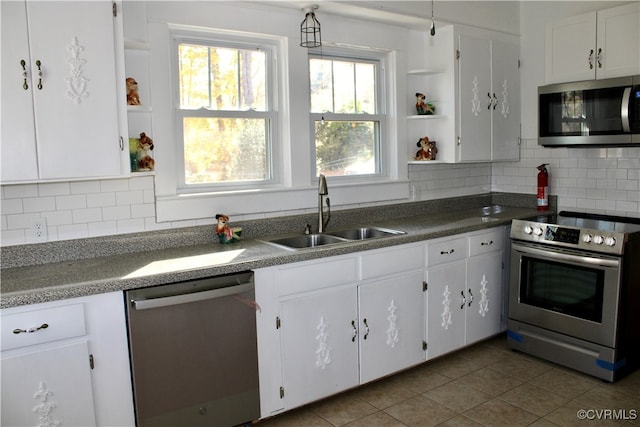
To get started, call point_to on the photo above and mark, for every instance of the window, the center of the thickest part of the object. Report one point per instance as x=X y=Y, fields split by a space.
x=225 y=114
x=346 y=115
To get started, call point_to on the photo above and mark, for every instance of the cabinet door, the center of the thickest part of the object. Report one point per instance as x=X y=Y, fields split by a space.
x=49 y=386
x=319 y=345
x=475 y=100
x=18 y=143
x=445 y=308
x=570 y=49
x=76 y=110
x=619 y=41
x=505 y=118
x=484 y=296
x=391 y=314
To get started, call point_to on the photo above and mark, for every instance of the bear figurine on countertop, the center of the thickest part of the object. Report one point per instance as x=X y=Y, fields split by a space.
x=133 y=98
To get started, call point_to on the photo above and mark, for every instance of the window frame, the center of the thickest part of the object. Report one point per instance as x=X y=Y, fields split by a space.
x=382 y=151
x=212 y=38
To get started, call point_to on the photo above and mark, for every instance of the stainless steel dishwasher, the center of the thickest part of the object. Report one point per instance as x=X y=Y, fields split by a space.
x=193 y=348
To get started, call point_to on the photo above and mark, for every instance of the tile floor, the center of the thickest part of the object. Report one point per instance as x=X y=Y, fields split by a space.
x=483 y=385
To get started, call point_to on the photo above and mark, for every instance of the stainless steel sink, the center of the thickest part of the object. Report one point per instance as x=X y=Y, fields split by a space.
x=302 y=241
x=363 y=233
x=305 y=241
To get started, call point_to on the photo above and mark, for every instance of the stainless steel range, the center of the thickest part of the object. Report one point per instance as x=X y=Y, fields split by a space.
x=574 y=295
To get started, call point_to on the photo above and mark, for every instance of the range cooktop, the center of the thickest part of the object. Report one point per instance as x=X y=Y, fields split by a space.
x=579 y=230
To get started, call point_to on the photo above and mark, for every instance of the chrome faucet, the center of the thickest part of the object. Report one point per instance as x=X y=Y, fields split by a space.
x=322 y=192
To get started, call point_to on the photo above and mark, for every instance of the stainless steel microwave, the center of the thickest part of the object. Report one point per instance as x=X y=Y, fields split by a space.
x=590 y=113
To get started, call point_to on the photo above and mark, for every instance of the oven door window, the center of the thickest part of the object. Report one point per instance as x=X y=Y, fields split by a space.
x=564 y=288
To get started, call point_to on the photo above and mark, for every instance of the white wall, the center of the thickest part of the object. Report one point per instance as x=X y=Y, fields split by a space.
x=604 y=180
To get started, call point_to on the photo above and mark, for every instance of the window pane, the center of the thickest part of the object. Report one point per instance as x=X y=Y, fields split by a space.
x=342 y=87
x=222 y=78
x=366 y=88
x=321 y=85
x=225 y=150
x=346 y=147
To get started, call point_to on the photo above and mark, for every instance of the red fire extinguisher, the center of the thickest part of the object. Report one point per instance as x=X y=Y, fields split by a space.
x=543 y=187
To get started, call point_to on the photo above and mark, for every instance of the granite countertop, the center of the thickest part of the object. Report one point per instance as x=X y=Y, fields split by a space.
x=74 y=278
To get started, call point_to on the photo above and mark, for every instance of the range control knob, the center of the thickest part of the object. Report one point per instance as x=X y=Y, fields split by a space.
x=587 y=238
x=537 y=231
x=610 y=241
x=598 y=239
x=527 y=229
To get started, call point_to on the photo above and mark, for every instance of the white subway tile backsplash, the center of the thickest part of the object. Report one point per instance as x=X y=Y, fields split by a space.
x=76 y=201
x=101 y=199
x=88 y=215
x=20 y=191
x=84 y=187
x=116 y=213
x=54 y=189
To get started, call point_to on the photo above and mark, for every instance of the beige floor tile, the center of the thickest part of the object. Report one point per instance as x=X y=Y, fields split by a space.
x=565 y=384
x=422 y=378
x=420 y=411
x=520 y=366
x=497 y=412
x=379 y=419
x=296 y=418
x=384 y=393
x=343 y=409
x=482 y=354
x=490 y=381
x=458 y=396
x=569 y=415
x=543 y=422
x=534 y=399
x=629 y=384
x=603 y=397
x=453 y=365
x=460 y=421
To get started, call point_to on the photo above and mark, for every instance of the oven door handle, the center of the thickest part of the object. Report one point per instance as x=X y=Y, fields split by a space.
x=563 y=256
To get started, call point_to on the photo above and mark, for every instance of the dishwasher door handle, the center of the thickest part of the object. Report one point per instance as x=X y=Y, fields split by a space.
x=144 y=304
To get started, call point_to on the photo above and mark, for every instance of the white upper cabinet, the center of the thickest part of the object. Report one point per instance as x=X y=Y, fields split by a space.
x=593 y=45
x=489 y=98
x=477 y=93
x=60 y=90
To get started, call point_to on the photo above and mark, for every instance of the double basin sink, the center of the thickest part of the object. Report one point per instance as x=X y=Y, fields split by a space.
x=304 y=241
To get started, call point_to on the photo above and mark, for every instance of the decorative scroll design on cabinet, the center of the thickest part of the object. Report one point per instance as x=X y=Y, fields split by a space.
x=77 y=82
x=484 y=300
x=505 y=100
x=446 y=312
x=44 y=408
x=475 y=101
x=323 y=352
x=393 y=332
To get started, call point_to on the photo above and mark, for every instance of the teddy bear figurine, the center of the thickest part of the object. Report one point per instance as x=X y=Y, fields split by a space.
x=143 y=155
x=225 y=233
x=133 y=98
x=427 y=149
x=422 y=107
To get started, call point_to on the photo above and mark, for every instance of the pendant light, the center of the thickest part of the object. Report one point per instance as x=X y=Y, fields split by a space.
x=433 y=22
x=310 y=28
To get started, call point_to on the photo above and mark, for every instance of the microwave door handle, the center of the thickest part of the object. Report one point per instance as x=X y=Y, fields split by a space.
x=624 y=110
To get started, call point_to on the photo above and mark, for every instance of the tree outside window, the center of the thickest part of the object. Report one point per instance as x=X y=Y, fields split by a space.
x=224 y=112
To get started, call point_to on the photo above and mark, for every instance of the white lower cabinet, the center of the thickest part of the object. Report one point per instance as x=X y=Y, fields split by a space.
x=319 y=336
x=331 y=324
x=465 y=297
x=66 y=363
x=391 y=328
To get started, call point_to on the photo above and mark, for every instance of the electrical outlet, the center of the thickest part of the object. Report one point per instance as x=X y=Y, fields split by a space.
x=39 y=230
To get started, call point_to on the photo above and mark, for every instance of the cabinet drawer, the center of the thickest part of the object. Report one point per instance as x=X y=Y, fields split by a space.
x=317 y=275
x=394 y=260
x=486 y=242
x=61 y=323
x=442 y=251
